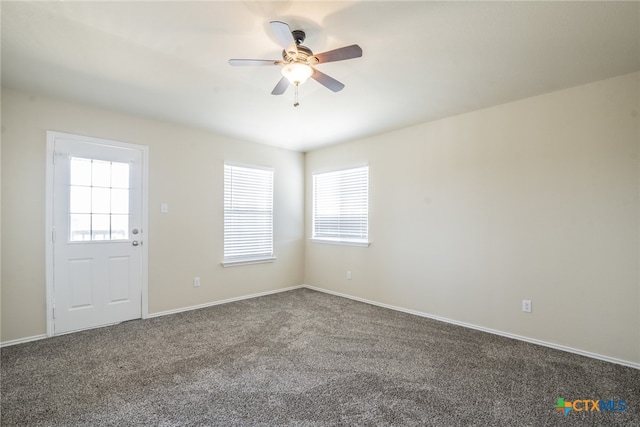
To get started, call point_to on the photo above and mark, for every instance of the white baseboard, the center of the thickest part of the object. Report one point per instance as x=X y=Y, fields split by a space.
x=22 y=340
x=225 y=301
x=483 y=329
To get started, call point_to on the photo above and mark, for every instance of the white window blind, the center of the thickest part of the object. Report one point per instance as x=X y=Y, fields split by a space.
x=248 y=214
x=341 y=206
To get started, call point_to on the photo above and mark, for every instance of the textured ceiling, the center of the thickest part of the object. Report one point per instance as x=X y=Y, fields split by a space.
x=422 y=60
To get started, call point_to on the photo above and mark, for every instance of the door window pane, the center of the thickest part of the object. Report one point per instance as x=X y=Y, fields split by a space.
x=80 y=171
x=119 y=227
x=119 y=175
x=100 y=200
x=100 y=227
x=101 y=173
x=80 y=200
x=119 y=201
x=80 y=227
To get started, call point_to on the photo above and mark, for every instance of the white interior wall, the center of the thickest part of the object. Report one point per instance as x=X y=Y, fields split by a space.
x=536 y=199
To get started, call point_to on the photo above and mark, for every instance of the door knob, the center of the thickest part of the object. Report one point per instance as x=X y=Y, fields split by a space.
x=135 y=243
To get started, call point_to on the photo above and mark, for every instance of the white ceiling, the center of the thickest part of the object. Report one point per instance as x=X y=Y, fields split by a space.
x=422 y=60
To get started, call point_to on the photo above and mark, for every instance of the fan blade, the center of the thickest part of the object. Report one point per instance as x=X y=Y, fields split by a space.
x=347 y=52
x=284 y=36
x=282 y=85
x=245 y=62
x=328 y=82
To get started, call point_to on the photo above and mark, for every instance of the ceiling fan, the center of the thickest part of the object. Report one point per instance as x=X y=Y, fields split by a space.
x=297 y=60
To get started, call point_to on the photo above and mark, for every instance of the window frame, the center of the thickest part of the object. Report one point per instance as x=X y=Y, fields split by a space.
x=257 y=258
x=338 y=240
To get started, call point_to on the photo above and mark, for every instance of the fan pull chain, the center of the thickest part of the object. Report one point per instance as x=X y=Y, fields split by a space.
x=296 y=103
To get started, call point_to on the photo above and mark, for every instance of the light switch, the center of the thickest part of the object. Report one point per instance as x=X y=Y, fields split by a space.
x=164 y=208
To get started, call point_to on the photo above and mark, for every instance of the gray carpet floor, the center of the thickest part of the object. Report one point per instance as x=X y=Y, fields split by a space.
x=302 y=358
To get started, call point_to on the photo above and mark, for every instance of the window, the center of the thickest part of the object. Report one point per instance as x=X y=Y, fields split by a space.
x=248 y=215
x=98 y=200
x=341 y=206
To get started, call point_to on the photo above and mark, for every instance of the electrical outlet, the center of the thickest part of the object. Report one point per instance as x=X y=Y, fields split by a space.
x=196 y=282
x=526 y=305
x=349 y=275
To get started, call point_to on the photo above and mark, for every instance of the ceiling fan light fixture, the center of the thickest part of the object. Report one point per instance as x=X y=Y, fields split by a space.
x=297 y=73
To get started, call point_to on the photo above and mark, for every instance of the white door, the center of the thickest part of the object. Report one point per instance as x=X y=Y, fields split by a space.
x=97 y=233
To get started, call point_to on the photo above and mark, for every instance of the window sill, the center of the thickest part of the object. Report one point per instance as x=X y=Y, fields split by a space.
x=341 y=242
x=248 y=262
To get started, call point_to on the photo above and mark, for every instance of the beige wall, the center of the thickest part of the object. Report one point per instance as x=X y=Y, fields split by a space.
x=536 y=199
x=186 y=171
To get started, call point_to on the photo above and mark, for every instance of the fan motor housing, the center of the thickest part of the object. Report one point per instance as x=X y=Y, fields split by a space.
x=304 y=55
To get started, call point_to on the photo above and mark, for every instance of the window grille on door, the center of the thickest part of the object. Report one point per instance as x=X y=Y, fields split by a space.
x=98 y=200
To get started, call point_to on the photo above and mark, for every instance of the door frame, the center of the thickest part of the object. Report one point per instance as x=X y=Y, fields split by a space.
x=49 y=211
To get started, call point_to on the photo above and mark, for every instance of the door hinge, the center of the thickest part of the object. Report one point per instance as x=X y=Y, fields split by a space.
x=53 y=160
x=53 y=309
x=53 y=235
